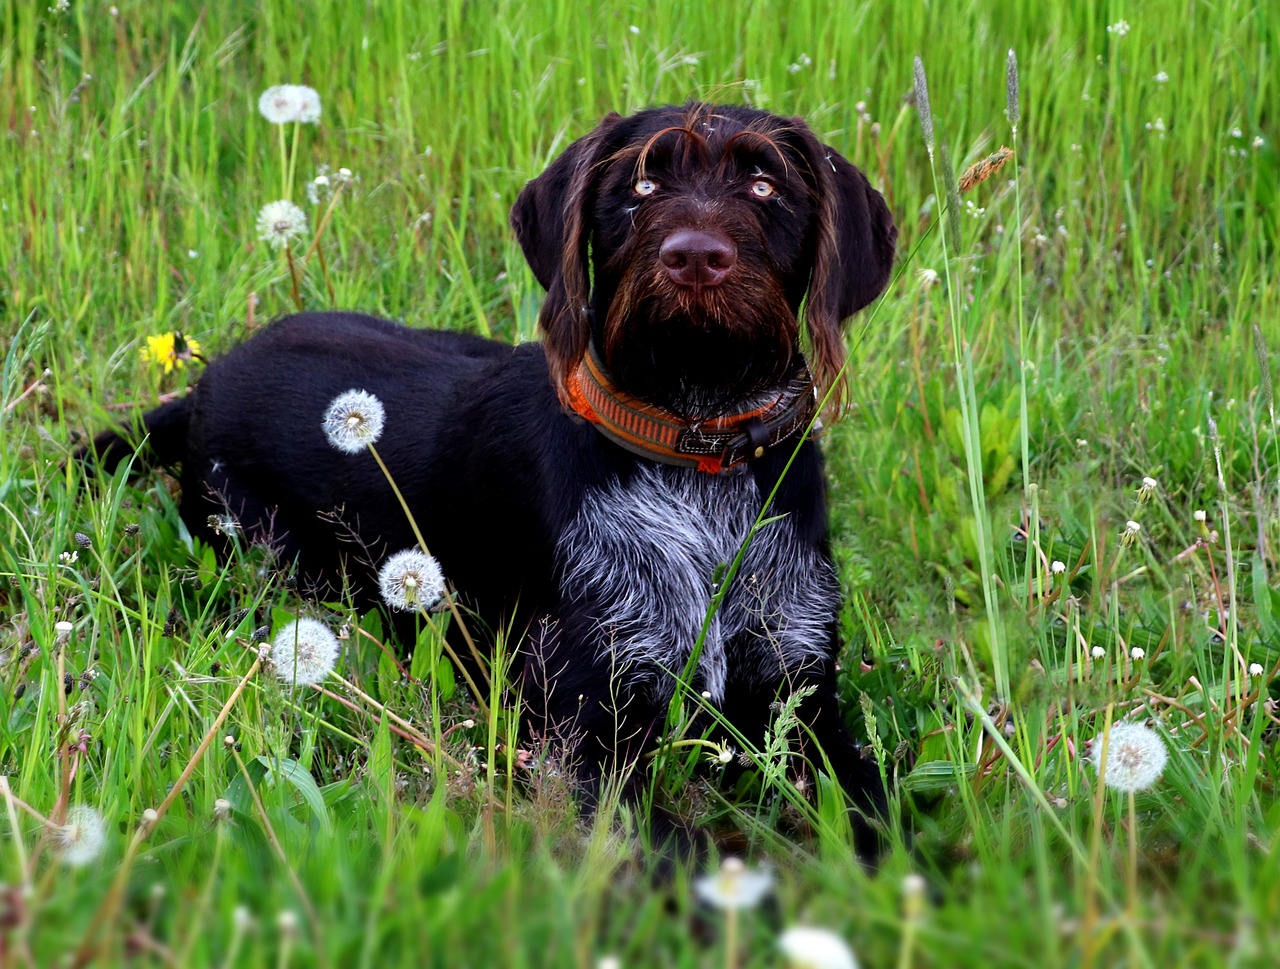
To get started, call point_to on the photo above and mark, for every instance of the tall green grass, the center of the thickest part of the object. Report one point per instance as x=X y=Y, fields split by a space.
x=1093 y=323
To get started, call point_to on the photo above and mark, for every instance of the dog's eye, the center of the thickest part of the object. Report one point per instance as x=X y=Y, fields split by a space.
x=645 y=186
x=762 y=189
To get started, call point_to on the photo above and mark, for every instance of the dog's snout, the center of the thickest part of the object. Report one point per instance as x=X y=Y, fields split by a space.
x=696 y=257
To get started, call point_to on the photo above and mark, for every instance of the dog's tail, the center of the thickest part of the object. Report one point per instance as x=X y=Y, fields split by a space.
x=165 y=429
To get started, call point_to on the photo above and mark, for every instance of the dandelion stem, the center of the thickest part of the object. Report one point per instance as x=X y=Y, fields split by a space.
x=453 y=607
x=294 y=291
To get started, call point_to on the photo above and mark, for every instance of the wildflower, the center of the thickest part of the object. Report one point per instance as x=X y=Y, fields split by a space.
x=1157 y=126
x=1136 y=757
x=1130 y=533
x=807 y=948
x=170 y=350
x=1237 y=133
x=1119 y=28
x=287 y=103
x=928 y=277
x=318 y=189
x=278 y=222
x=1162 y=77
x=1148 y=488
x=1255 y=669
x=81 y=839
x=288 y=922
x=354 y=421
x=68 y=558
x=734 y=886
x=1057 y=568
x=1200 y=515
x=1137 y=652
x=304 y=651
x=1097 y=652
x=411 y=580
x=1258 y=141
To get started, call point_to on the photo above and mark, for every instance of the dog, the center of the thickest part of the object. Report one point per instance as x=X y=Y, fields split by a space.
x=591 y=492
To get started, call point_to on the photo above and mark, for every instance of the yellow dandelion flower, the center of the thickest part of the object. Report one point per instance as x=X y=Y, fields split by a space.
x=169 y=350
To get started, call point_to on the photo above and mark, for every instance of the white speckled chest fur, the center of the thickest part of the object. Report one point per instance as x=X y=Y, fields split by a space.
x=642 y=557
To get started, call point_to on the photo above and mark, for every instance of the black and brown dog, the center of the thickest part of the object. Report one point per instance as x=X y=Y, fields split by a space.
x=589 y=490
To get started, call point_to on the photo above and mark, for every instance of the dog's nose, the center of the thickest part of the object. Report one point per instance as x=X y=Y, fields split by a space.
x=695 y=257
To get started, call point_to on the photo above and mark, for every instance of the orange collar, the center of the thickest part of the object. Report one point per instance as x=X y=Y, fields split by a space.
x=713 y=445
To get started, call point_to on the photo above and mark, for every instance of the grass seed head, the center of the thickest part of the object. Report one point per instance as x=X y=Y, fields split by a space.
x=1012 y=107
x=980 y=171
x=922 y=104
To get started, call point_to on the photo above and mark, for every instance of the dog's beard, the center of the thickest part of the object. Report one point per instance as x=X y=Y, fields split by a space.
x=699 y=351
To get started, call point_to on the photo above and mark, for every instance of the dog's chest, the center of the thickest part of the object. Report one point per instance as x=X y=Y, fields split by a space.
x=641 y=562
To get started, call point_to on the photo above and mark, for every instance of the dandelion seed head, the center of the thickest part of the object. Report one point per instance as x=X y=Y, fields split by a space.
x=1097 y=652
x=290 y=103
x=81 y=839
x=411 y=580
x=810 y=948
x=1137 y=652
x=1162 y=77
x=304 y=651
x=280 y=221
x=354 y=420
x=1136 y=757
x=1255 y=669
x=1057 y=568
x=734 y=886
x=1200 y=515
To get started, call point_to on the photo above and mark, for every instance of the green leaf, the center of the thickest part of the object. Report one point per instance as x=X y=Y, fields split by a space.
x=303 y=783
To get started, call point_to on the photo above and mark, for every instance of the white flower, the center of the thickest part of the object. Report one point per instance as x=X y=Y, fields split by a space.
x=928 y=277
x=81 y=839
x=806 y=948
x=609 y=962
x=1199 y=515
x=1097 y=652
x=68 y=558
x=304 y=651
x=1137 y=652
x=1119 y=28
x=1162 y=77
x=734 y=886
x=1136 y=756
x=354 y=420
x=278 y=222
x=1255 y=669
x=1258 y=141
x=287 y=103
x=411 y=580
x=1237 y=133
x=1057 y=568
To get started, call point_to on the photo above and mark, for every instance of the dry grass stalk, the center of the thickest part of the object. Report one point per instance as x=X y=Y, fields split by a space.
x=980 y=171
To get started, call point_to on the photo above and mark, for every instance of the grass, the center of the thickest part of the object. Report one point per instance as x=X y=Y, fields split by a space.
x=1106 y=310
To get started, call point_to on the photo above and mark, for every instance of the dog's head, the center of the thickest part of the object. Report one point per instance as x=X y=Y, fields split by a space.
x=694 y=234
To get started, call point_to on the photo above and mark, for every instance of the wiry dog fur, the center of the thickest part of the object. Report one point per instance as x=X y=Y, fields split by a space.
x=603 y=561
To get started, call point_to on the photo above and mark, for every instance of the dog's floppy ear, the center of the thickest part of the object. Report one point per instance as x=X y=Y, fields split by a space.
x=853 y=259
x=551 y=219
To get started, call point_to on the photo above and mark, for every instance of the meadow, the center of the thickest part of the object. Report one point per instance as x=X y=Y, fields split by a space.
x=1055 y=494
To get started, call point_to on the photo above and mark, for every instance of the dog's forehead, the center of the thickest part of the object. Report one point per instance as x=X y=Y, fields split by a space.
x=699 y=137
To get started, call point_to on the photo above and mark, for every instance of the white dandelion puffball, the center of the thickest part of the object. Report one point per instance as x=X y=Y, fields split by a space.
x=286 y=103
x=304 y=651
x=734 y=886
x=1136 y=756
x=278 y=222
x=82 y=838
x=411 y=580
x=806 y=948
x=354 y=421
